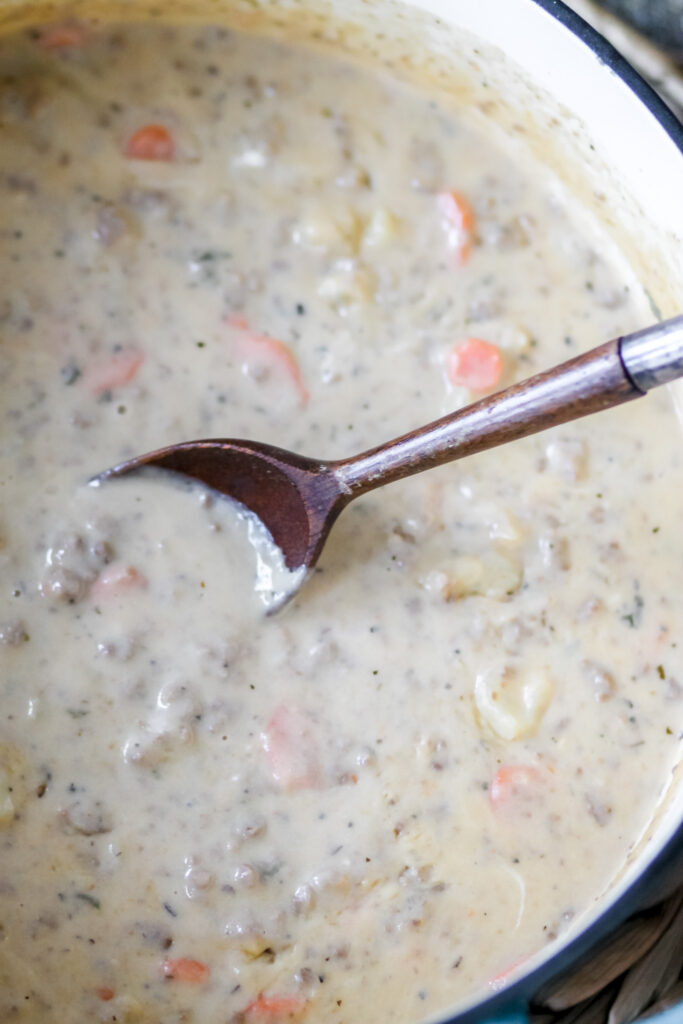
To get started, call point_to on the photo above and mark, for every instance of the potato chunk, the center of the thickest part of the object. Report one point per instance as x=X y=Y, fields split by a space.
x=511 y=701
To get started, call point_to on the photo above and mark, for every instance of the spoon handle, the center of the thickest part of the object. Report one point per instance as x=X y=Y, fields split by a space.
x=606 y=376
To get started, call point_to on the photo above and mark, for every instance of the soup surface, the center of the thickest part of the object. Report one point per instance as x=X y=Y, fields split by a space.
x=384 y=798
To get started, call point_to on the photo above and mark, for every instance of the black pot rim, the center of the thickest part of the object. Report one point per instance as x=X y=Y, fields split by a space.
x=618 y=64
x=512 y=1002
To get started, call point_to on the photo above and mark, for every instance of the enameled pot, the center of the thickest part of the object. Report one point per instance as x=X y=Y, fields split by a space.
x=536 y=70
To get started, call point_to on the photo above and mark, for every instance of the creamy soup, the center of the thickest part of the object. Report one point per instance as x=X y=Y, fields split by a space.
x=386 y=797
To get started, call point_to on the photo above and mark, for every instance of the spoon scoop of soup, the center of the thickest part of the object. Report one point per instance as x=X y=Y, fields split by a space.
x=297 y=499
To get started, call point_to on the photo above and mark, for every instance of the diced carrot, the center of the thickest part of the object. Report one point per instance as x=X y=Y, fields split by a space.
x=458 y=221
x=291 y=747
x=117 y=579
x=501 y=979
x=275 y=1008
x=151 y=142
x=184 y=969
x=67 y=36
x=260 y=350
x=113 y=372
x=238 y=321
x=513 y=781
x=105 y=993
x=474 y=364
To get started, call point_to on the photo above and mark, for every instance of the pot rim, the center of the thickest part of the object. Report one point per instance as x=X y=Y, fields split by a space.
x=510 y=1004
x=615 y=62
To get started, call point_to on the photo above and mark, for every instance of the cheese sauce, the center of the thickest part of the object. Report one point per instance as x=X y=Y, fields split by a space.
x=380 y=800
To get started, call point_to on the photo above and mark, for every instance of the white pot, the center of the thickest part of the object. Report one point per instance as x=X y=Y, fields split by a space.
x=539 y=72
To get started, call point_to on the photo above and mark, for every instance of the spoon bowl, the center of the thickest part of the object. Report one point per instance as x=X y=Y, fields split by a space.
x=296 y=498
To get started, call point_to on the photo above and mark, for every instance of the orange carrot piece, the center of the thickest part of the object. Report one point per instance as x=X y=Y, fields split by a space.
x=513 y=781
x=67 y=36
x=458 y=221
x=238 y=321
x=275 y=1008
x=502 y=978
x=151 y=142
x=260 y=349
x=115 y=580
x=292 y=749
x=113 y=372
x=184 y=969
x=105 y=993
x=474 y=364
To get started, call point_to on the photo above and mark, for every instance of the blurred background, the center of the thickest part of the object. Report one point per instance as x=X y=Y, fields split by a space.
x=649 y=33
x=661 y=20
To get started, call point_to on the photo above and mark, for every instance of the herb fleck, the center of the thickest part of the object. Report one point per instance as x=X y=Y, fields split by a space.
x=70 y=373
x=210 y=254
x=268 y=870
x=203 y=265
x=634 y=617
x=87 y=898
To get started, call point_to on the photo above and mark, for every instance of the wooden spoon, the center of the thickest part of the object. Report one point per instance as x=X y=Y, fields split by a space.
x=299 y=498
